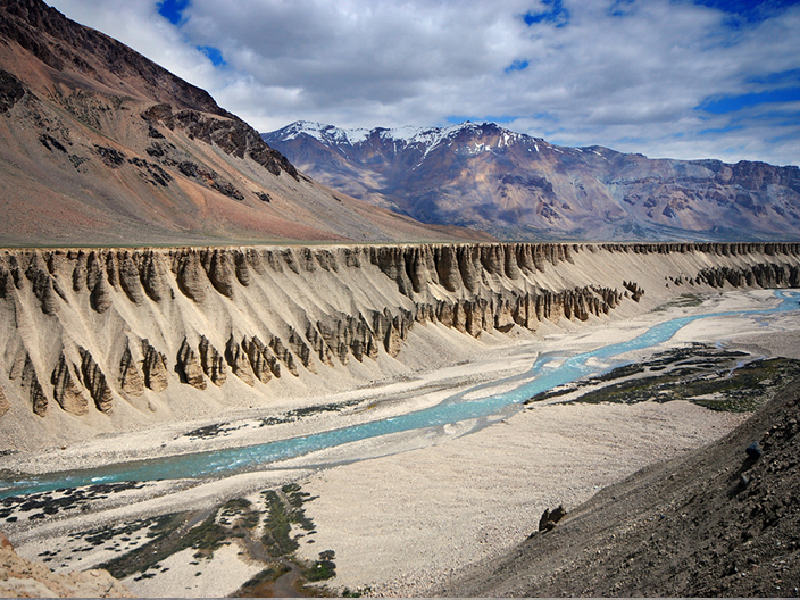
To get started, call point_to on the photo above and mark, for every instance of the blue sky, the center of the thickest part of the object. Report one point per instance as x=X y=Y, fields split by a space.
x=668 y=78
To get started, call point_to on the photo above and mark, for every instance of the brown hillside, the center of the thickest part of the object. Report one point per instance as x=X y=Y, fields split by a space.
x=98 y=145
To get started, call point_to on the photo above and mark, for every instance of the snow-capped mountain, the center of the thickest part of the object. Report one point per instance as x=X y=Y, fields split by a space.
x=516 y=186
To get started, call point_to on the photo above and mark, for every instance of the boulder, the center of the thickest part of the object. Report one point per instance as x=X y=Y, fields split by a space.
x=550 y=519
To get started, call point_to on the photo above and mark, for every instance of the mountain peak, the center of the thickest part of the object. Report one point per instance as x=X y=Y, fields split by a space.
x=515 y=186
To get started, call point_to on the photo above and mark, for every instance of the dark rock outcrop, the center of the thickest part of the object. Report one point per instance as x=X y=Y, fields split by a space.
x=154 y=368
x=130 y=279
x=191 y=276
x=23 y=371
x=551 y=518
x=11 y=91
x=67 y=387
x=189 y=367
x=263 y=363
x=239 y=361
x=95 y=381
x=212 y=362
x=130 y=380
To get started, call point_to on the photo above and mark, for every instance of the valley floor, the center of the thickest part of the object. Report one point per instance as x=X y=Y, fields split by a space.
x=402 y=512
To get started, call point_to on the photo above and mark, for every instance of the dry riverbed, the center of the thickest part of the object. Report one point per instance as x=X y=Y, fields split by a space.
x=391 y=515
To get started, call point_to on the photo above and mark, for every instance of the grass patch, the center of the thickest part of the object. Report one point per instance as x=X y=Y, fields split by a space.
x=322 y=569
x=168 y=537
x=682 y=301
x=741 y=389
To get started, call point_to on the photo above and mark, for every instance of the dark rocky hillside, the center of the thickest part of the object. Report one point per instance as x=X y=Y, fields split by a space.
x=724 y=522
x=519 y=187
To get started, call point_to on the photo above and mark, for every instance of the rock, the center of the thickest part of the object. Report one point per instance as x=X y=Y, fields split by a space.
x=393 y=336
x=130 y=280
x=754 y=451
x=257 y=354
x=42 y=288
x=6 y=283
x=11 y=91
x=549 y=519
x=238 y=360
x=154 y=368
x=241 y=263
x=301 y=349
x=79 y=273
x=152 y=277
x=22 y=578
x=327 y=260
x=468 y=266
x=212 y=362
x=130 y=379
x=284 y=355
x=306 y=260
x=23 y=371
x=218 y=265
x=191 y=276
x=447 y=268
x=635 y=290
x=67 y=388
x=95 y=381
x=189 y=366
x=4 y=404
x=100 y=298
x=112 y=269
x=493 y=259
x=391 y=260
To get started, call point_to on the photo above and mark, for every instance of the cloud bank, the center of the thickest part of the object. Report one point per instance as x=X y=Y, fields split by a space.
x=668 y=78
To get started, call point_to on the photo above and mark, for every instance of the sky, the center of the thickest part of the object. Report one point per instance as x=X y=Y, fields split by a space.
x=667 y=78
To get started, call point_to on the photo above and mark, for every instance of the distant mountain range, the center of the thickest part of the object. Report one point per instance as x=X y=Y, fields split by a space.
x=515 y=186
x=99 y=145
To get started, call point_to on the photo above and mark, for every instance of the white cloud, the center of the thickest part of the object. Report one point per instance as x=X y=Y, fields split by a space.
x=629 y=82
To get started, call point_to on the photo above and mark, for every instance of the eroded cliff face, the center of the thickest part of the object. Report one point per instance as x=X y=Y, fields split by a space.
x=126 y=336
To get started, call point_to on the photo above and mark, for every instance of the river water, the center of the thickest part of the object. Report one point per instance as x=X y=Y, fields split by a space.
x=546 y=373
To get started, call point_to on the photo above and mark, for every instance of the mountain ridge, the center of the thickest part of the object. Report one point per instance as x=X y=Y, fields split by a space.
x=517 y=186
x=101 y=146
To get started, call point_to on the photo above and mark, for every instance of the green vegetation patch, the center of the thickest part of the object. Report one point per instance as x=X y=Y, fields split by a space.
x=284 y=509
x=322 y=569
x=682 y=301
x=715 y=378
x=741 y=389
x=169 y=535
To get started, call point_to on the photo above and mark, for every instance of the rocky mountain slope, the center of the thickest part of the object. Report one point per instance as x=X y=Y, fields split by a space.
x=99 y=145
x=519 y=187
x=722 y=523
x=105 y=340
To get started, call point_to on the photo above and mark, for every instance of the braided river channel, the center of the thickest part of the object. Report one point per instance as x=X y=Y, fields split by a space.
x=547 y=372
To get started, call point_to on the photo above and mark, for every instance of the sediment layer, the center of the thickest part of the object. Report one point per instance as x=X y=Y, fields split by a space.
x=127 y=334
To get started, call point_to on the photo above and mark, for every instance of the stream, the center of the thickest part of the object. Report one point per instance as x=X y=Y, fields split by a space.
x=547 y=372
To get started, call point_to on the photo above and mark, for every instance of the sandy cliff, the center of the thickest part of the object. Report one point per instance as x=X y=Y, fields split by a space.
x=106 y=340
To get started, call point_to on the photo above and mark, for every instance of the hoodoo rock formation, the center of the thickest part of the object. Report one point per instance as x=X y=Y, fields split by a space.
x=121 y=332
